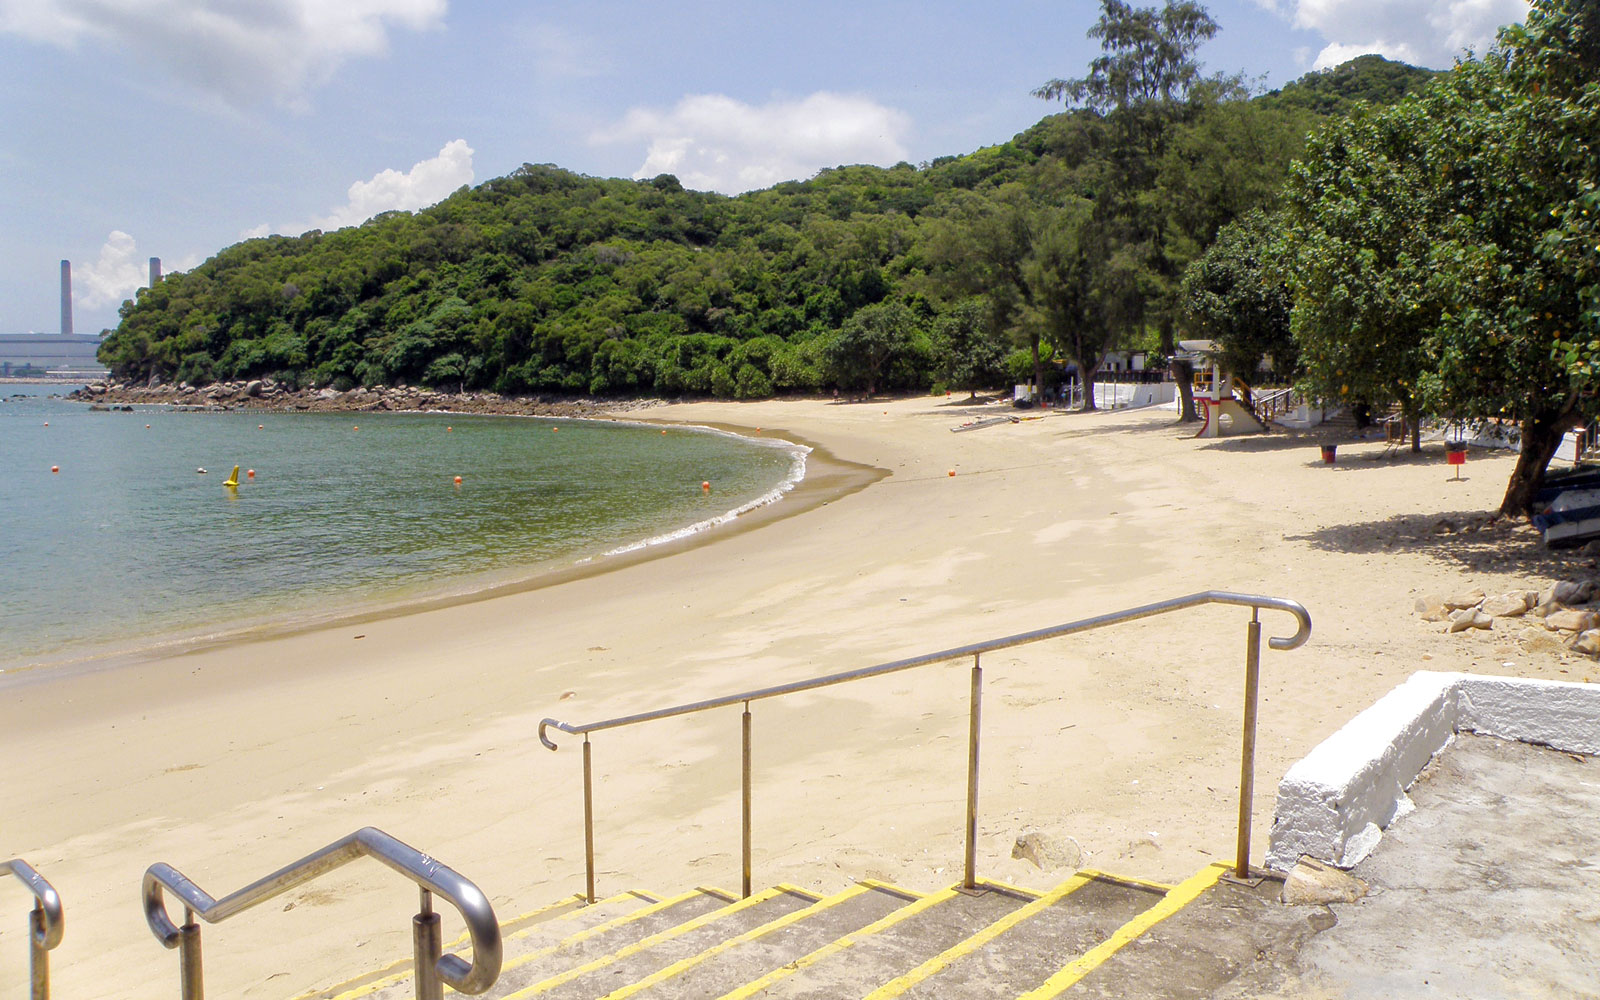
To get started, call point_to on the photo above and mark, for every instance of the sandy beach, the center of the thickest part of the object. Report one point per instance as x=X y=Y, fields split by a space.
x=230 y=761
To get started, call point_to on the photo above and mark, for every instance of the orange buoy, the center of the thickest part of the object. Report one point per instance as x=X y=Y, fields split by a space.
x=146 y=426
x=663 y=432
x=261 y=427
x=555 y=430
x=952 y=472
x=449 y=428
x=55 y=468
x=47 y=423
x=706 y=486
x=458 y=480
x=358 y=427
x=250 y=473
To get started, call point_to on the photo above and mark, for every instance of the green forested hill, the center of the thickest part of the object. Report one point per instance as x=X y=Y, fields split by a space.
x=861 y=277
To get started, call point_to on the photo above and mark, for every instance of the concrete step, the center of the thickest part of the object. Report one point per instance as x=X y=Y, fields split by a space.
x=864 y=960
x=605 y=973
x=532 y=961
x=1208 y=934
x=1023 y=949
x=524 y=933
x=773 y=945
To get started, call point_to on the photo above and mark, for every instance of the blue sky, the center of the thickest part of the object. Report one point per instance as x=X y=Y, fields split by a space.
x=173 y=128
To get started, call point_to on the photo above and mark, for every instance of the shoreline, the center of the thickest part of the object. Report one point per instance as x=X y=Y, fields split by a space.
x=827 y=478
x=229 y=762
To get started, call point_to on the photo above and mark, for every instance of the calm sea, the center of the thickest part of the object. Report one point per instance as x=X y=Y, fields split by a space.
x=129 y=543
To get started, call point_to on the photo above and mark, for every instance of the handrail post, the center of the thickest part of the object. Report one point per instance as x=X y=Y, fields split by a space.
x=1247 y=755
x=38 y=956
x=189 y=972
x=427 y=947
x=746 y=811
x=969 y=879
x=588 y=820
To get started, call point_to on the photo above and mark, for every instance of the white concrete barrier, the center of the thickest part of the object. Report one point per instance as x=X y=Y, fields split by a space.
x=1335 y=802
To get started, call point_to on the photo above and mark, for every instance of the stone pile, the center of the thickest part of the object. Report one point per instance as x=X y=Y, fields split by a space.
x=266 y=394
x=1554 y=620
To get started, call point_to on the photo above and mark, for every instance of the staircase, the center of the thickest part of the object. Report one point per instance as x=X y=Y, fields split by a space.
x=1094 y=935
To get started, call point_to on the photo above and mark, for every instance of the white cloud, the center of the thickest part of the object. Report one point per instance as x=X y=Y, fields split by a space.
x=1423 y=32
x=426 y=183
x=239 y=51
x=113 y=276
x=713 y=142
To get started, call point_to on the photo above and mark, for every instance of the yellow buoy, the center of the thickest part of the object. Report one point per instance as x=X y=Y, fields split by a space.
x=233 y=478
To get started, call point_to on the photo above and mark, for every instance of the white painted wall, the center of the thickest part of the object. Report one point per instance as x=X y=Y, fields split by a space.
x=1335 y=802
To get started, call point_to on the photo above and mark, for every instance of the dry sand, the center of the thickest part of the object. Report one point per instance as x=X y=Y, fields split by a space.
x=231 y=761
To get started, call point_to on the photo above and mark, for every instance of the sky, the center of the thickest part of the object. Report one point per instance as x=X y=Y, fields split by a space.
x=174 y=128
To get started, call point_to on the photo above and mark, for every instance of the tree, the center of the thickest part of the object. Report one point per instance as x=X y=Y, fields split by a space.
x=1435 y=248
x=1234 y=295
x=1142 y=83
x=972 y=352
x=868 y=344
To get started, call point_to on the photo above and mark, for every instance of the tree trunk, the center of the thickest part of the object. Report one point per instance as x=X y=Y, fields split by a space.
x=1541 y=436
x=1183 y=374
x=1086 y=378
x=1416 y=435
x=1038 y=372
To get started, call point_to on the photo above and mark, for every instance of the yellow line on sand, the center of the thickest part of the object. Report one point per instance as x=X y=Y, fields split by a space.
x=1181 y=895
x=644 y=944
x=683 y=965
x=961 y=949
x=750 y=989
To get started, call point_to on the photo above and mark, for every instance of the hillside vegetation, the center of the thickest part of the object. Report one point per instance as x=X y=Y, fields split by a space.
x=546 y=281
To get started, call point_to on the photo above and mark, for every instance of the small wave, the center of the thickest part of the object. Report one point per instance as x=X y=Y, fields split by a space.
x=797 y=472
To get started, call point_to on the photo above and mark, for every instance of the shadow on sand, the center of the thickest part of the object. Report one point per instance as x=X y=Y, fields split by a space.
x=1475 y=540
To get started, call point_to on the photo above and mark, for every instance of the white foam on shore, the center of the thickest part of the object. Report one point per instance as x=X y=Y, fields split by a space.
x=797 y=472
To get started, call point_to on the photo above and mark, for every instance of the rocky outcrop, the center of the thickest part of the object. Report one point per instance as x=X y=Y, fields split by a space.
x=1554 y=620
x=266 y=394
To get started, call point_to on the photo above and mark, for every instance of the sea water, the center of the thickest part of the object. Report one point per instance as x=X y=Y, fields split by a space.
x=130 y=543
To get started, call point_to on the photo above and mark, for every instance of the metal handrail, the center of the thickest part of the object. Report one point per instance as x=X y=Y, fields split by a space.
x=45 y=924
x=1247 y=763
x=433 y=969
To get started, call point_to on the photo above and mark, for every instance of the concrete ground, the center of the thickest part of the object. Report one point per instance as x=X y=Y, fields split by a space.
x=1489 y=890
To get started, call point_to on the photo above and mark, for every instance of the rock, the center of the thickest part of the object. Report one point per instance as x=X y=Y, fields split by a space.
x=1466 y=618
x=1513 y=605
x=253 y=388
x=1538 y=640
x=1573 y=591
x=1572 y=620
x=1431 y=608
x=1587 y=643
x=1470 y=599
x=1047 y=852
x=1313 y=883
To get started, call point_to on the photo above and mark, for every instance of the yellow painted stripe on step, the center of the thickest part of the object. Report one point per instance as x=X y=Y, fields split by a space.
x=1129 y=880
x=399 y=970
x=906 y=912
x=1015 y=890
x=522 y=932
x=684 y=965
x=1181 y=895
x=891 y=888
x=626 y=918
x=961 y=949
x=646 y=943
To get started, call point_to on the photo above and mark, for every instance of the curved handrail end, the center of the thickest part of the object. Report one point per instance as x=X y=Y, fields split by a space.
x=53 y=923
x=543 y=725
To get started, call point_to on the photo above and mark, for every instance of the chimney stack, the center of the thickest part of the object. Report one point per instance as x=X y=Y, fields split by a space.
x=66 y=297
x=155 y=271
